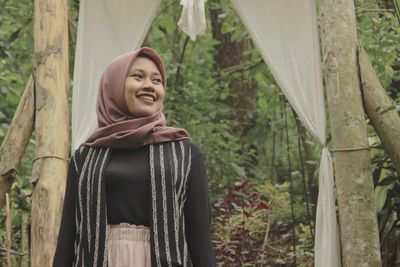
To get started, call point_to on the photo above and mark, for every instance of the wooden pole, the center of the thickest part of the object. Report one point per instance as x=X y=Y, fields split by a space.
x=352 y=166
x=51 y=126
x=14 y=144
x=380 y=109
x=24 y=260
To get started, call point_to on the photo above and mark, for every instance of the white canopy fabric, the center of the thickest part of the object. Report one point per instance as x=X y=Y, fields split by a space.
x=193 y=18
x=106 y=29
x=286 y=34
x=284 y=31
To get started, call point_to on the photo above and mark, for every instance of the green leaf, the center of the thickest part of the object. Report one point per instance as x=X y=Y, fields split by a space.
x=239 y=170
x=380 y=196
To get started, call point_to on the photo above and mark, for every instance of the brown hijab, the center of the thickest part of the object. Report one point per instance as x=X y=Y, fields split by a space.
x=117 y=128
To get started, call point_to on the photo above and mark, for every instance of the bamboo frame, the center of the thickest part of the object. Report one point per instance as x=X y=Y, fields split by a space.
x=380 y=109
x=51 y=126
x=352 y=164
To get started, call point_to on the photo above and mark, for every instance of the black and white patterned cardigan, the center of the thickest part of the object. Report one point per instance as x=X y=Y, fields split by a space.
x=170 y=164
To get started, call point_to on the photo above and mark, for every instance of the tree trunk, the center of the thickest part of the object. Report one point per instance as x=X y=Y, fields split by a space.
x=352 y=166
x=51 y=126
x=380 y=109
x=14 y=144
x=229 y=58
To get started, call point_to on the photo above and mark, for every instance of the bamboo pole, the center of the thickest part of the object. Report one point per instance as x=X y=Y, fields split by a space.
x=380 y=109
x=51 y=126
x=359 y=234
x=24 y=259
x=14 y=144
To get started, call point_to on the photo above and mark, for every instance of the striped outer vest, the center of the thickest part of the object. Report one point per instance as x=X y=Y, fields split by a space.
x=170 y=164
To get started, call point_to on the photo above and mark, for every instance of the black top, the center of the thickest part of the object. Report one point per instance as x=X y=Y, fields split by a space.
x=128 y=187
x=127 y=178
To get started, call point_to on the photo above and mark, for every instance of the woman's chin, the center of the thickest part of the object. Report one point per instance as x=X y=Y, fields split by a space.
x=143 y=113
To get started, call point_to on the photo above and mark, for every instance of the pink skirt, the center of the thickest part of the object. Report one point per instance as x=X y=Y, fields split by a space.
x=128 y=245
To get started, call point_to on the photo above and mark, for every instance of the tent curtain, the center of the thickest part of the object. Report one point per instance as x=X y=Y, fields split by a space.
x=284 y=31
x=286 y=34
x=106 y=29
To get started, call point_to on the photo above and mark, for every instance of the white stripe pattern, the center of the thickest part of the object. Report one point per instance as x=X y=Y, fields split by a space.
x=80 y=204
x=175 y=203
x=89 y=192
x=154 y=206
x=182 y=173
x=187 y=175
x=185 y=178
x=89 y=177
x=164 y=204
x=105 y=258
x=75 y=164
x=92 y=181
x=76 y=234
x=96 y=248
x=76 y=213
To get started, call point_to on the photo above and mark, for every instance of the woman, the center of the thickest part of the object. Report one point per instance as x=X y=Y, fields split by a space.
x=137 y=191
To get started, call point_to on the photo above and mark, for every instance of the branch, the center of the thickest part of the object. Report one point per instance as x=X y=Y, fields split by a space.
x=13 y=147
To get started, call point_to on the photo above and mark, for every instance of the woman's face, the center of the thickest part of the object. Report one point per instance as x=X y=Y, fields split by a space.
x=144 y=90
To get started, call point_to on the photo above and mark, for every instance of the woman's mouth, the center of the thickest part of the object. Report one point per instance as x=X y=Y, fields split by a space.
x=147 y=98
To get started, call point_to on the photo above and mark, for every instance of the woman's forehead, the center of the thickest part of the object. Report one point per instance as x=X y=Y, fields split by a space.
x=144 y=64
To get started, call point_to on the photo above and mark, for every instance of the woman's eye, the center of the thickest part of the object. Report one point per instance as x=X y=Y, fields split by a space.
x=137 y=75
x=157 y=80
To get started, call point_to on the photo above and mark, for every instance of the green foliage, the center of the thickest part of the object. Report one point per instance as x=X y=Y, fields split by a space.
x=16 y=49
x=387 y=188
x=16 y=46
x=243 y=233
x=379 y=33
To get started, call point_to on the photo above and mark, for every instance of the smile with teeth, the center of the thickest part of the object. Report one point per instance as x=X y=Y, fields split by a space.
x=147 y=98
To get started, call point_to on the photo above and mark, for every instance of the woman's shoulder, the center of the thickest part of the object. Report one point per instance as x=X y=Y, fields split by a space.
x=78 y=152
x=82 y=152
x=194 y=148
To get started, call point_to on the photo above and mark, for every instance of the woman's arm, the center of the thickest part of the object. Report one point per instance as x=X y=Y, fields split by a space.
x=64 y=255
x=197 y=215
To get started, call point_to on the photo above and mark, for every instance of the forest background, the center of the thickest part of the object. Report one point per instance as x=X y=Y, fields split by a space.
x=262 y=163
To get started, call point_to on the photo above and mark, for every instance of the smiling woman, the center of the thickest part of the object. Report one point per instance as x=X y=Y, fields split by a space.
x=137 y=192
x=144 y=89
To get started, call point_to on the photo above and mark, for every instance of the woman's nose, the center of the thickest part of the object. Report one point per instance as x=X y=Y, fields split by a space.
x=147 y=84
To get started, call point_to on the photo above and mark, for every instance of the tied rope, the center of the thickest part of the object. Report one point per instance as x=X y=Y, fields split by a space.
x=49 y=156
x=349 y=149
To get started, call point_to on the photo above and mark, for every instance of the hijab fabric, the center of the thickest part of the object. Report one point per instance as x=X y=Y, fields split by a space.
x=117 y=127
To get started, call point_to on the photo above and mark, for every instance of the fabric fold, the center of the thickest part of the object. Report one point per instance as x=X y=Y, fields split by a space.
x=193 y=18
x=327 y=253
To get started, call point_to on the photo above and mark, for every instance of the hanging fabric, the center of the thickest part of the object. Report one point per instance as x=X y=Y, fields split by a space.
x=286 y=34
x=106 y=29
x=193 y=18
x=326 y=253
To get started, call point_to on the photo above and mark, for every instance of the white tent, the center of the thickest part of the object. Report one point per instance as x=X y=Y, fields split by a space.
x=284 y=31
